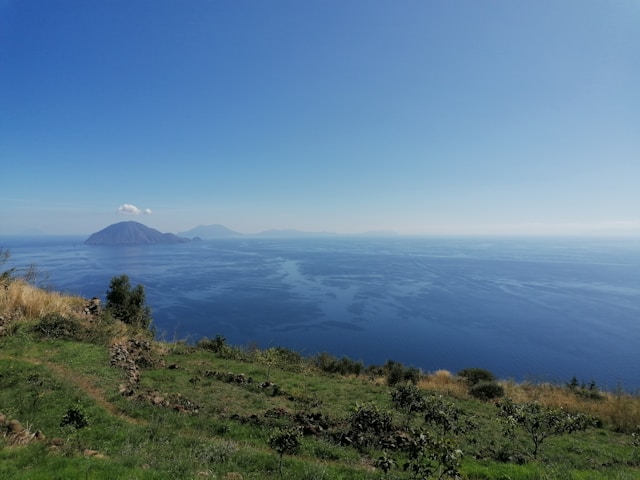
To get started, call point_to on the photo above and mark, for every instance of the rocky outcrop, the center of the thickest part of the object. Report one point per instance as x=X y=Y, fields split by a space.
x=93 y=307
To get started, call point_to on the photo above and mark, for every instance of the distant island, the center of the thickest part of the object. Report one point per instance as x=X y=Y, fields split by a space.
x=132 y=233
x=216 y=231
x=211 y=231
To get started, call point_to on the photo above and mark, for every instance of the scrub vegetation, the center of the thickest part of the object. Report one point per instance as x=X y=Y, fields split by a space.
x=86 y=392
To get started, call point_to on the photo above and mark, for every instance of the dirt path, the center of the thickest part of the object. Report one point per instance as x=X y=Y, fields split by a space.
x=97 y=393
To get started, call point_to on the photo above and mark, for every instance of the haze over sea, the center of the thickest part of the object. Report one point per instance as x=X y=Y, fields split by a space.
x=525 y=308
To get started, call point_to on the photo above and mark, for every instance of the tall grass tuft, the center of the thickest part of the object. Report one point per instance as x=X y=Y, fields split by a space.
x=619 y=409
x=21 y=300
x=443 y=381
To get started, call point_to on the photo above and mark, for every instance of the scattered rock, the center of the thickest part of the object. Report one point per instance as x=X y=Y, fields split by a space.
x=233 y=476
x=16 y=433
x=93 y=453
x=15 y=427
x=56 y=442
x=92 y=307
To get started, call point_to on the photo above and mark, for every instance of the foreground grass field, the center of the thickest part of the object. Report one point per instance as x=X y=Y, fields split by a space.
x=85 y=396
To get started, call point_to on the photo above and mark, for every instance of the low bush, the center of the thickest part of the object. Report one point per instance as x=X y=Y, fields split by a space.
x=74 y=418
x=476 y=375
x=369 y=426
x=486 y=390
x=218 y=345
x=540 y=422
x=55 y=325
x=343 y=366
x=396 y=373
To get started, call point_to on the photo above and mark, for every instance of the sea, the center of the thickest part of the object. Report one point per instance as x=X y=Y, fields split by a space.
x=527 y=309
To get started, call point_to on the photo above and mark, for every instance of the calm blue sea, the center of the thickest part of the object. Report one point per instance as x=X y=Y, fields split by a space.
x=537 y=309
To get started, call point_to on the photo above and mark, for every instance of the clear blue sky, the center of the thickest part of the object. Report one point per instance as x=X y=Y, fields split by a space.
x=426 y=117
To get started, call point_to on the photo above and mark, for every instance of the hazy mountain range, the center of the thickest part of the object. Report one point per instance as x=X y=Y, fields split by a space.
x=220 y=231
x=135 y=233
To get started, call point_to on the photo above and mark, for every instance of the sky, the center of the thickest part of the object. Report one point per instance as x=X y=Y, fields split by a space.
x=422 y=117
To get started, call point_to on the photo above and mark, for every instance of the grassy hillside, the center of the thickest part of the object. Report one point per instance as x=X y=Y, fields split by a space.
x=83 y=395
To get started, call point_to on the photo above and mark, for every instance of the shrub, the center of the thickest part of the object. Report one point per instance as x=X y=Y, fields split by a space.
x=541 y=422
x=486 y=390
x=445 y=416
x=74 y=418
x=368 y=426
x=476 y=375
x=344 y=366
x=432 y=456
x=412 y=375
x=396 y=373
x=217 y=345
x=128 y=304
x=588 y=392
x=287 y=358
x=408 y=399
x=55 y=325
x=6 y=275
x=287 y=441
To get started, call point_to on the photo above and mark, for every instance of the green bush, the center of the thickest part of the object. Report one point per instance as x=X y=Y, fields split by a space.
x=74 y=418
x=397 y=373
x=368 y=426
x=285 y=440
x=128 y=304
x=541 y=422
x=218 y=345
x=343 y=366
x=408 y=399
x=476 y=375
x=486 y=390
x=55 y=325
x=588 y=392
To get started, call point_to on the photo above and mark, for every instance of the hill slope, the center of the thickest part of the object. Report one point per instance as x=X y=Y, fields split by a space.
x=84 y=396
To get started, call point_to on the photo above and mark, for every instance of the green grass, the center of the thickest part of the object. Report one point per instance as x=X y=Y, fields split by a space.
x=41 y=380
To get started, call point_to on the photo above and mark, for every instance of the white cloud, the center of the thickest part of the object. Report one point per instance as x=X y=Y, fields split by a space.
x=147 y=211
x=127 y=209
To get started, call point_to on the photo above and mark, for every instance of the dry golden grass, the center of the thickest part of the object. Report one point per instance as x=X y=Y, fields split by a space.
x=620 y=410
x=445 y=382
x=21 y=300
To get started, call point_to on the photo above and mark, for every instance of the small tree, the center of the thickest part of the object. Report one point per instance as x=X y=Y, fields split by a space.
x=128 y=304
x=287 y=441
x=408 y=399
x=541 y=422
x=432 y=456
x=6 y=275
x=368 y=426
